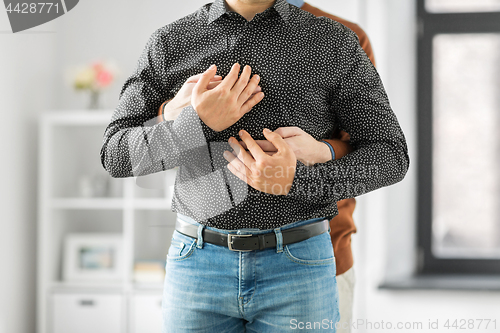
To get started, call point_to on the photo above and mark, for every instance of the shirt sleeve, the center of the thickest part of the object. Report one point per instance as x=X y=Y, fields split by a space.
x=360 y=104
x=134 y=142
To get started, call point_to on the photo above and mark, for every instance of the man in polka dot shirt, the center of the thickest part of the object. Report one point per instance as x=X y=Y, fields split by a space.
x=132 y=150
x=342 y=225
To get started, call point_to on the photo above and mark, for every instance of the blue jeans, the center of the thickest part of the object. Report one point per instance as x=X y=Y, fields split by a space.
x=209 y=288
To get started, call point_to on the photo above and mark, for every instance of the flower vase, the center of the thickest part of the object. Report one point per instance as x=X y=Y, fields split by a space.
x=94 y=100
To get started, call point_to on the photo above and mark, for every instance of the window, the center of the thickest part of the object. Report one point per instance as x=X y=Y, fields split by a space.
x=462 y=5
x=459 y=136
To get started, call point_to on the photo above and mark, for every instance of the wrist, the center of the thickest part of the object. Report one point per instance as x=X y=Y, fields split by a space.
x=172 y=110
x=174 y=104
x=324 y=153
x=331 y=151
x=340 y=147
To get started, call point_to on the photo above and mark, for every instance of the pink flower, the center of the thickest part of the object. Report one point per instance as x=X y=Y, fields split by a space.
x=104 y=78
x=96 y=76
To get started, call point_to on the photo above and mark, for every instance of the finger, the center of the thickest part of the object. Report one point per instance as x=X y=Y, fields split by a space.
x=242 y=82
x=270 y=153
x=241 y=153
x=276 y=140
x=254 y=148
x=254 y=93
x=231 y=78
x=196 y=78
x=287 y=132
x=264 y=144
x=250 y=88
x=213 y=84
x=236 y=166
x=251 y=102
x=201 y=85
x=239 y=174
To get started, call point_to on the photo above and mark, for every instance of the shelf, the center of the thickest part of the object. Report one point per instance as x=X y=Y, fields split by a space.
x=77 y=196
x=88 y=203
x=109 y=203
x=63 y=286
x=160 y=204
x=147 y=286
x=79 y=118
x=445 y=282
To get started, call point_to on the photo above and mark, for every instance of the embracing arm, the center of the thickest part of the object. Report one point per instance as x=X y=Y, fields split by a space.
x=307 y=149
x=134 y=142
x=380 y=156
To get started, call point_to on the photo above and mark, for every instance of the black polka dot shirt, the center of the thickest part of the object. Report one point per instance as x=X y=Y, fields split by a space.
x=314 y=75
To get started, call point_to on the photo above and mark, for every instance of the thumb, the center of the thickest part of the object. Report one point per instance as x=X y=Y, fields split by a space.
x=196 y=78
x=276 y=140
x=201 y=85
x=287 y=132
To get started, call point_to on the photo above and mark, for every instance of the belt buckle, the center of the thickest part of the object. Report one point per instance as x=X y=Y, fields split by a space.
x=230 y=242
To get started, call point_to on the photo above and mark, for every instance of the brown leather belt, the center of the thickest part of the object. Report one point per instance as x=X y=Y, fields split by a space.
x=249 y=242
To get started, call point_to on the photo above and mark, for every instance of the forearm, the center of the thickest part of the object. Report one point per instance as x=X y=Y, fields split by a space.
x=365 y=169
x=139 y=150
x=379 y=157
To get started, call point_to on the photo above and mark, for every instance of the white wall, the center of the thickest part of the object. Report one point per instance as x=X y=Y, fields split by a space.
x=26 y=89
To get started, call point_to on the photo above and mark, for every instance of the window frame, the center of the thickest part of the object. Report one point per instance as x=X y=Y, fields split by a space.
x=429 y=25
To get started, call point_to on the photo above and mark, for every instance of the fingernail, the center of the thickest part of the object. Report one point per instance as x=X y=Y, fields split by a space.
x=212 y=67
x=240 y=133
x=257 y=76
x=267 y=130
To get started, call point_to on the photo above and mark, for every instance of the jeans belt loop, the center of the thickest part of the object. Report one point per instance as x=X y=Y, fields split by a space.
x=262 y=241
x=199 y=240
x=279 y=240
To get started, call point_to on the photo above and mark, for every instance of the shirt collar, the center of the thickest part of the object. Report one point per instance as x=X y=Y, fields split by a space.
x=219 y=7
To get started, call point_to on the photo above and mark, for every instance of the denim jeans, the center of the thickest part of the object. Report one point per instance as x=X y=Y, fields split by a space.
x=287 y=288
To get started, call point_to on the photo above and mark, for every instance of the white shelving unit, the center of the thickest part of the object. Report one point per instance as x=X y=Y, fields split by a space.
x=76 y=195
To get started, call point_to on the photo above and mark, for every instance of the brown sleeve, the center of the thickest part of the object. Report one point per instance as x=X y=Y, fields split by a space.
x=342 y=227
x=363 y=37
